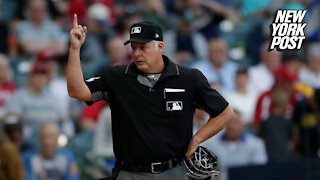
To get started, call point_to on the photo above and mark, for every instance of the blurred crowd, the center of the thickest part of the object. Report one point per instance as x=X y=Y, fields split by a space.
x=45 y=134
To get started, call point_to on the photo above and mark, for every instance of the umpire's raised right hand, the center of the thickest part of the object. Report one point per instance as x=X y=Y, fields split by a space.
x=77 y=34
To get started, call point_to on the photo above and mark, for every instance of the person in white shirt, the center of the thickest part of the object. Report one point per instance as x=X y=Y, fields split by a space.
x=218 y=69
x=261 y=76
x=241 y=99
x=37 y=105
x=38 y=32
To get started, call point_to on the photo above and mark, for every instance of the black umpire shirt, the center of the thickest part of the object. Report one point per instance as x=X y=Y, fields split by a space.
x=153 y=123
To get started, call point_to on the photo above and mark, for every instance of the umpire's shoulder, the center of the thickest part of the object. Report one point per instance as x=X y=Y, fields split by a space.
x=190 y=72
x=193 y=75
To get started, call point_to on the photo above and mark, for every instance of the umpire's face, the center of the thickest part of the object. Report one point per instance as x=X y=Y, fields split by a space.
x=147 y=56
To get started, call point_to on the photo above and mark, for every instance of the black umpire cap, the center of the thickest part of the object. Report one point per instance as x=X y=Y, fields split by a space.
x=144 y=32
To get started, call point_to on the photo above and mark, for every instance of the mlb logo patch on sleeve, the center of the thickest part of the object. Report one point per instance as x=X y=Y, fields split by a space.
x=174 y=105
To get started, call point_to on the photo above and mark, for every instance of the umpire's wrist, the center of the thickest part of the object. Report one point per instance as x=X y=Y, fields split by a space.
x=76 y=50
x=196 y=139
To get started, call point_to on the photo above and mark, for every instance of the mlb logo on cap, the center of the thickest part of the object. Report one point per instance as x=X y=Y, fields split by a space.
x=136 y=30
x=144 y=32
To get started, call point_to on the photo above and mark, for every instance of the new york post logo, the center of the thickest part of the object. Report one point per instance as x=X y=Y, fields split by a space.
x=287 y=30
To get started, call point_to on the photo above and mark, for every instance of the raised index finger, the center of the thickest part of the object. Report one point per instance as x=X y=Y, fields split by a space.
x=75 y=21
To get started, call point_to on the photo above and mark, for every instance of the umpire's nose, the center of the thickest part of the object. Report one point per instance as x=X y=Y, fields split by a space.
x=136 y=52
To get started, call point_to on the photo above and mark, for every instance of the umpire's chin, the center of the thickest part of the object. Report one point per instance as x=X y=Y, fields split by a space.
x=141 y=65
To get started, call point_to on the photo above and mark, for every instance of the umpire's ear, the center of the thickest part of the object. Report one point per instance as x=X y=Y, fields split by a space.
x=161 y=47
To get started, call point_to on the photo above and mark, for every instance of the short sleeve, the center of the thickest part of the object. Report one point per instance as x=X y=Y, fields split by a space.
x=98 y=87
x=207 y=98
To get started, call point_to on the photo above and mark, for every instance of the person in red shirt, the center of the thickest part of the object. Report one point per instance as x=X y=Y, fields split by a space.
x=284 y=80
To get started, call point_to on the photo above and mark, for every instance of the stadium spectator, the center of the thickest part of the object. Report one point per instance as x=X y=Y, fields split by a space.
x=37 y=32
x=55 y=66
x=307 y=122
x=293 y=60
x=217 y=68
x=113 y=52
x=50 y=162
x=210 y=14
x=185 y=44
x=11 y=166
x=311 y=74
x=155 y=11
x=261 y=77
x=7 y=85
x=13 y=129
x=116 y=52
x=35 y=104
x=284 y=80
x=277 y=130
x=241 y=99
x=97 y=20
x=235 y=148
x=81 y=8
x=55 y=9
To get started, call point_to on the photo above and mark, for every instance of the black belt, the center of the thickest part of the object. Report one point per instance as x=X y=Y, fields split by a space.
x=154 y=168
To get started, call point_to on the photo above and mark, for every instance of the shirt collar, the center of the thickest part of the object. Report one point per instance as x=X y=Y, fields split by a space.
x=241 y=139
x=170 y=69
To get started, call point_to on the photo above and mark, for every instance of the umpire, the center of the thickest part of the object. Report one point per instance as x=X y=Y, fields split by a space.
x=152 y=102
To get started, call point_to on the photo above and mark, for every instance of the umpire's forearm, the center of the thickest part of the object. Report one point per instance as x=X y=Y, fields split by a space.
x=211 y=128
x=214 y=125
x=76 y=86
